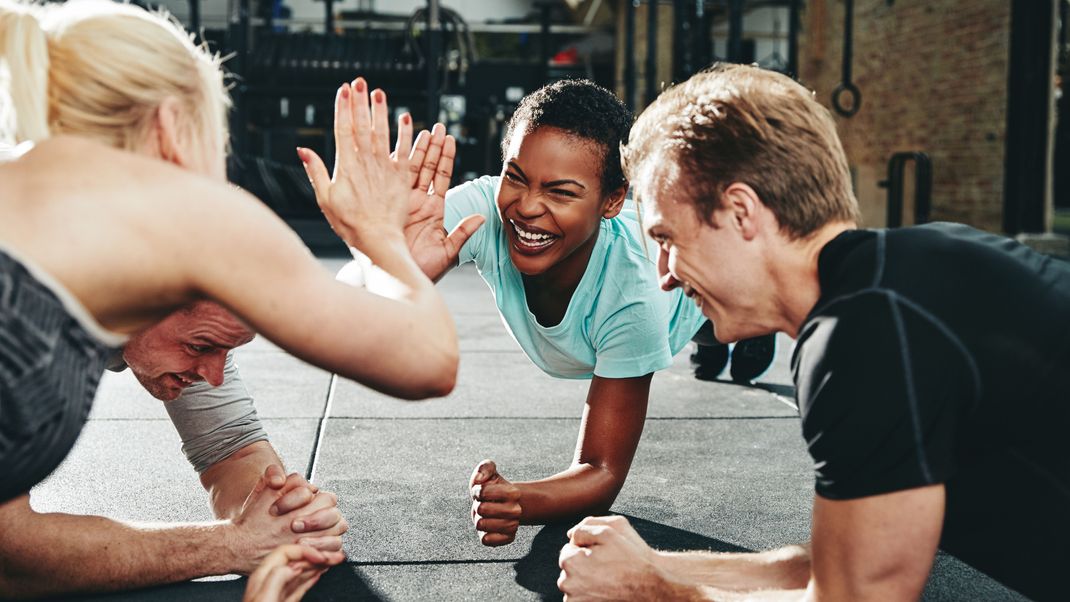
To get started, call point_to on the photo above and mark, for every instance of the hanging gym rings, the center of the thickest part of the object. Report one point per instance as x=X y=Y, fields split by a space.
x=846 y=86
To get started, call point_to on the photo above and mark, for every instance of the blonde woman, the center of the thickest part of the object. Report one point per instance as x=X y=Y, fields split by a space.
x=119 y=214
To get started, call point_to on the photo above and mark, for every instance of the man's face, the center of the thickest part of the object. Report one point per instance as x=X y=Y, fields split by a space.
x=718 y=267
x=189 y=346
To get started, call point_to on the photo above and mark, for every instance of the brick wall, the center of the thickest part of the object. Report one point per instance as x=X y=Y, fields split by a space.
x=933 y=76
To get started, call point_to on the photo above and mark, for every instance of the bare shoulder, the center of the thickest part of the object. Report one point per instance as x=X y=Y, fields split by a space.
x=123 y=194
x=120 y=229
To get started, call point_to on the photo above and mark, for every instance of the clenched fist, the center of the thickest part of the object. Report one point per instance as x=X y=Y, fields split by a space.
x=496 y=509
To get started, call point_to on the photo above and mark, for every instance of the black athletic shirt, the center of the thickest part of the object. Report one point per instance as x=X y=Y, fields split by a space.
x=933 y=351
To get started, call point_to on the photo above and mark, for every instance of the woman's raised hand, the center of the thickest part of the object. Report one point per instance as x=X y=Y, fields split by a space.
x=367 y=198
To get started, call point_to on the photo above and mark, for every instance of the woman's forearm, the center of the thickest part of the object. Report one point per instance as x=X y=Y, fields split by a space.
x=581 y=490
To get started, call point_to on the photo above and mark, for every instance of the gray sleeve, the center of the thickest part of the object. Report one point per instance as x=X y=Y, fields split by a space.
x=215 y=422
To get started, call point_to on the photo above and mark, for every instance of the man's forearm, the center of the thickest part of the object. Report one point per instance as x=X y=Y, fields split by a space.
x=705 y=593
x=49 y=554
x=785 y=568
x=229 y=481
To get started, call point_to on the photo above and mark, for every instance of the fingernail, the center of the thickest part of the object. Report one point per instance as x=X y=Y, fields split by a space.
x=345 y=90
x=274 y=510
x=359 y=85
x=406 y=119
x=378 y=96
x=299 y=525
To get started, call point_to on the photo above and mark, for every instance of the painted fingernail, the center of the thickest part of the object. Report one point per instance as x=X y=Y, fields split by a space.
x=378 y=96
x=299 y=525
x=345 y=90
x=406 y=119
x=359 y=85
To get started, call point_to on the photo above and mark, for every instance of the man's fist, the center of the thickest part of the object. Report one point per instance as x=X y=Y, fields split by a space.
x=496 y=507
x=605 y=559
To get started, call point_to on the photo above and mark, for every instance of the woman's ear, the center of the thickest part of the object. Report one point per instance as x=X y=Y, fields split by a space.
x=165 y=131
x=614 y=202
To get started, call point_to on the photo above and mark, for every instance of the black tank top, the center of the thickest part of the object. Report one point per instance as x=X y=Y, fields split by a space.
x=50 y=366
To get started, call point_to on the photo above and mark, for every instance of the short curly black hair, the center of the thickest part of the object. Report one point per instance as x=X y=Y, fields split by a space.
x=584 y=109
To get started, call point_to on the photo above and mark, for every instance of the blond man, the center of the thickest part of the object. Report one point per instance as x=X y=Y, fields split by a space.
x=930 y=364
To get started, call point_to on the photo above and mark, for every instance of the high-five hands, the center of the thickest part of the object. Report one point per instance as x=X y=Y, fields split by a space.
x=496 y=507
x=374 y=192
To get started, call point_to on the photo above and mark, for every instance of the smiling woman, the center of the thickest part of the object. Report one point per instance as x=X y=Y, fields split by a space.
x=575 y=282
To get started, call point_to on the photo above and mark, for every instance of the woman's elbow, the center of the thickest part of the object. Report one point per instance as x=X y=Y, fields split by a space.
x=443 y=384
x=605 y=493
x=436 y=380
x=606 y=499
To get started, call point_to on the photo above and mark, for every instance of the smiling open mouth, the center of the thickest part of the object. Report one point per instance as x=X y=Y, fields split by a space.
x=693 y=295
x=183 y=381
x=531 y=241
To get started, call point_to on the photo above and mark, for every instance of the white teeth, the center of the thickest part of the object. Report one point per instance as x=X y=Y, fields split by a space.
x=532 y=239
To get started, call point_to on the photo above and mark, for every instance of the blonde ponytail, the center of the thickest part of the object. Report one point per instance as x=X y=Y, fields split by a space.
x=102 y=69
x=24 y=52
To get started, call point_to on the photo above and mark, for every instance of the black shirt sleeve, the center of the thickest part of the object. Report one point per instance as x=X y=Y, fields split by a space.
x=881 y=389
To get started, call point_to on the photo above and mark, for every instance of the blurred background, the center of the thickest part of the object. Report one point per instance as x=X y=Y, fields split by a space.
x=948 y=109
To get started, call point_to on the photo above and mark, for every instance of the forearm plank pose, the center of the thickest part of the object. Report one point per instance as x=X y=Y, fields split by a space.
x=575 y=282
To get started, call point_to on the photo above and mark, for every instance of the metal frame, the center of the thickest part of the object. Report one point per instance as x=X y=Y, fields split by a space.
x=923 y=187
x=434 y=49
x=1029 y=106
x=651 y=51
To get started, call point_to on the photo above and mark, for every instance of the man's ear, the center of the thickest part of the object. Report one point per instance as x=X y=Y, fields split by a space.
x=741 y=204
x=614 y=202
x=165 y=130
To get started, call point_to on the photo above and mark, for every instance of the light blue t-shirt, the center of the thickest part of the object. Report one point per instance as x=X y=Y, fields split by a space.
x=619 y=323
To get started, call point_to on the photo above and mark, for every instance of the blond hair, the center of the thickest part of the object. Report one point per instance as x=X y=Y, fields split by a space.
x=737 y=123
x=102 y=69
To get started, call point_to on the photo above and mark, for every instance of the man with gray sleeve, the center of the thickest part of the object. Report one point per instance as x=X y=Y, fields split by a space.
x=185 y=361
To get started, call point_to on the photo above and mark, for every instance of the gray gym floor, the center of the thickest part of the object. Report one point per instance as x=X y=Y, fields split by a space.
x=720 y=467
